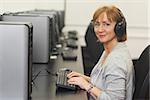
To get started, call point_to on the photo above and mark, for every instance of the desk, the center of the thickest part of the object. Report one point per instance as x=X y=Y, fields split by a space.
x=44 y=87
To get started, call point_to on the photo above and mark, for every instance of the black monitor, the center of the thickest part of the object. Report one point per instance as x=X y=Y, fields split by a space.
x=0 y=17
x=61 y=20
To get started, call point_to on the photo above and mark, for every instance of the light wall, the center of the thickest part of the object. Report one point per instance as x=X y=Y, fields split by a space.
x=50 y=4
x=80 y=12
x=22 y=5
x=16 y=5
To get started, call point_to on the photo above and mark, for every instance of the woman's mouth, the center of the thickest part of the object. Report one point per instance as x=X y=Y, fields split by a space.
x=101 y=36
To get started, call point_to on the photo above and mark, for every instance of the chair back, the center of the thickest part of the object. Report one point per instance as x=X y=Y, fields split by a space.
x=142 y=75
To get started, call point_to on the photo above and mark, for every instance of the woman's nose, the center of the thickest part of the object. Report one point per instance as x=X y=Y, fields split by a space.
x=100 y=28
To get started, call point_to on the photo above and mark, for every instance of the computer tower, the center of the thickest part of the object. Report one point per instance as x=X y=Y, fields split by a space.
x=40 y=34
x=15 y=60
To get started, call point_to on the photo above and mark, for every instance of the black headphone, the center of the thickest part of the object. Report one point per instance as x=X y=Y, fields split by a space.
x=120 y=27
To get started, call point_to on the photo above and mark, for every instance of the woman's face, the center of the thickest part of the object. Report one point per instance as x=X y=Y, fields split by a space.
x=104 y=29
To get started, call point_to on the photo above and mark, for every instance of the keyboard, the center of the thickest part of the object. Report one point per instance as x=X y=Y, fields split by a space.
x=72 y=44
x=69 y=55
x=74 y=32
x=72 y=36
x=62 y=80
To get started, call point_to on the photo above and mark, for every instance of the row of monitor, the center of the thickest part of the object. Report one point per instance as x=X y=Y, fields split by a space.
x=25 y=38
x=47 y=26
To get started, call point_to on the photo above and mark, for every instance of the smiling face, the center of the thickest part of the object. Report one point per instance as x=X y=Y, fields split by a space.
x=104 y=29
x=105 y=20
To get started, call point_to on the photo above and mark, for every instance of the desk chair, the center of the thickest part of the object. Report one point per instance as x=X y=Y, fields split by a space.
x=93 y=50
x=142 y=76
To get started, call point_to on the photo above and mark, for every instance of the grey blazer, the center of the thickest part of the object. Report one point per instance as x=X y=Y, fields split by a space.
x=116 y=76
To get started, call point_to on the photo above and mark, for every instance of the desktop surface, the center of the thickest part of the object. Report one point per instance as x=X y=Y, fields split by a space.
x=44 y=86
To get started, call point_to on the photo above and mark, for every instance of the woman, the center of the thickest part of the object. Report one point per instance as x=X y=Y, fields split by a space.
x=112 y=76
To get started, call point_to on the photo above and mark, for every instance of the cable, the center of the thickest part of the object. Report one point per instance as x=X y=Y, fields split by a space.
x=50 y=73
x=34 y=77
x=38 y=74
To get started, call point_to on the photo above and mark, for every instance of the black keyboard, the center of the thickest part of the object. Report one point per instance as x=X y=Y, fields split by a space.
x=72 y=36
x=62 y=80
x=72 y=44
x=69 y=55
x=73 y=32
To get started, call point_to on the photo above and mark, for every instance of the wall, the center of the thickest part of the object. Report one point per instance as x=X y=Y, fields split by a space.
x=79 y=12
x=21 y=5
x=16 y=5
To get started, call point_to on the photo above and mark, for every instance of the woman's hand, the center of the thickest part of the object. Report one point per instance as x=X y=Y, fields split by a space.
x=74 y=74
x=80 y=81
x=84 y=84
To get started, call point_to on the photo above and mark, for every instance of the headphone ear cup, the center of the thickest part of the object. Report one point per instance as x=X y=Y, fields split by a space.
x=120 y=28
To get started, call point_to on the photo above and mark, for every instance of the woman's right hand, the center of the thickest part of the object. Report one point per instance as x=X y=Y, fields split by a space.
x=74 y=74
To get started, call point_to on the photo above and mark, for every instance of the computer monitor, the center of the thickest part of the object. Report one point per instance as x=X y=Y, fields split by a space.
x=15 y=60
x=52 y=28
x=61 y=20
x=41 y=33
x=54 y=12
x=0 y=17
x=54 y=24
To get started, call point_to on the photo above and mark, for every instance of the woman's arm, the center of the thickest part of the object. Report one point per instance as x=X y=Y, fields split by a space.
x=114 y=86
x=115 y=89
x=86 y=77
x=93 y=91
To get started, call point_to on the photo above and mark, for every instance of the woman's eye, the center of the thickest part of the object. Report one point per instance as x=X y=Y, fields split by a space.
x=96 y=24
x=106 y=24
